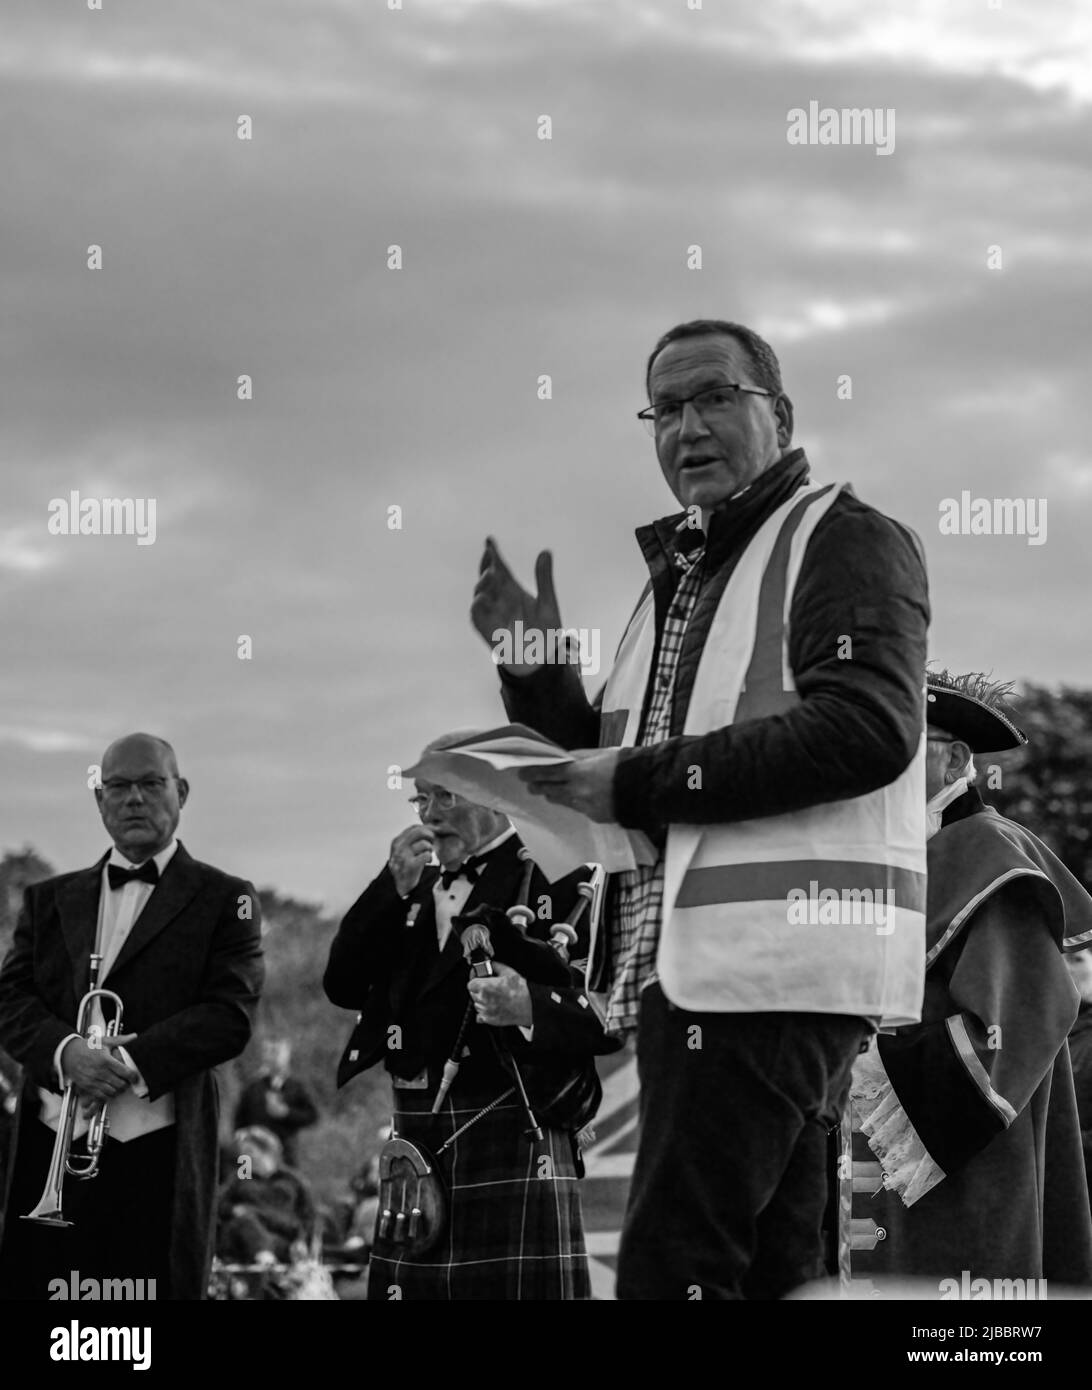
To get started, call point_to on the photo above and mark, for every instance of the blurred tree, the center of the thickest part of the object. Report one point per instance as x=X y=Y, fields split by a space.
x=1047 y=786
x=296 y=936
x=18 y=869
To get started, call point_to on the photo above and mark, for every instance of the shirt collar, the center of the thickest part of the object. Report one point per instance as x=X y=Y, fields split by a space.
x=162 y=859
x=677 y=537
x=493 y=844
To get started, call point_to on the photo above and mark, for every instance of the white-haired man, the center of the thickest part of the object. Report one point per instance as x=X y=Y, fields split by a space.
x=513 y=1227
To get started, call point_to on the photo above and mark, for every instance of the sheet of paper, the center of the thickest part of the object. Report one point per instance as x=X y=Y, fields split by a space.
x=485 y=768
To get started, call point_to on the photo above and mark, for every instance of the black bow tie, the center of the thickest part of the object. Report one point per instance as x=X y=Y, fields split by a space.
x=470 y=868
x=119 y=877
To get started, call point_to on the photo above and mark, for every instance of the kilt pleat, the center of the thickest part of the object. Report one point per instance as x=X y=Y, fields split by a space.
x=515 y=1229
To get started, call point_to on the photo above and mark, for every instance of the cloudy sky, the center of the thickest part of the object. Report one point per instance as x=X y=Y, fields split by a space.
x=417 y=388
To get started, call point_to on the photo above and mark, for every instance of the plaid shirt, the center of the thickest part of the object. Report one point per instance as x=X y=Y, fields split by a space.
x=637 y=897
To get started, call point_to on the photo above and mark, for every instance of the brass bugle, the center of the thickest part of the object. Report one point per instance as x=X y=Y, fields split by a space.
x=63 y=1161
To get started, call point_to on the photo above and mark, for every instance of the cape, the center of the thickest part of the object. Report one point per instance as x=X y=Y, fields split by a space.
x=972 y=1112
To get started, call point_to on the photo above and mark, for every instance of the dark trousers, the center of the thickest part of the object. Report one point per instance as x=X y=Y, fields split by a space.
x=121 y=1217
x=730 y=1183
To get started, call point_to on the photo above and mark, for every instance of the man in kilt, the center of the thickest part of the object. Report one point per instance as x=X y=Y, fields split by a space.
x=513 y=1228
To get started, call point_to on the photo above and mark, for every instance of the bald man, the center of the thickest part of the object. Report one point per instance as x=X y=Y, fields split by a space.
x=180 y=944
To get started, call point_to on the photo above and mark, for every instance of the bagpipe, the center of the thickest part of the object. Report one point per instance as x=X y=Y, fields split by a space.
x=562 y=1092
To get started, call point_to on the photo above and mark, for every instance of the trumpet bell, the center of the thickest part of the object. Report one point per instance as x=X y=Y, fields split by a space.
x=46 y=1213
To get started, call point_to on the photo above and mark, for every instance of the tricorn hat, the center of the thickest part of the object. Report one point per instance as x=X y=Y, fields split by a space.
x=972 y=709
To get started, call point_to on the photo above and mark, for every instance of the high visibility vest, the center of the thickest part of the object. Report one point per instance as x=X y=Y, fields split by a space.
x=821 y=910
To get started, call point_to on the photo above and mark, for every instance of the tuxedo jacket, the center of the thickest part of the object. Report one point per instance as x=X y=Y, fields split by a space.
x=412 y=996
x=189 y=976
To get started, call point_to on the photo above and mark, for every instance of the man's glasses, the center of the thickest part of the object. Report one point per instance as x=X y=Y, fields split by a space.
x=443 y=799
x=715 y=400
x=117 y=787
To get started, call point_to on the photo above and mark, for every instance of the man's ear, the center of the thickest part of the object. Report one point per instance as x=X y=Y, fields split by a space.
x=784 y=412
x=960 y=755
x=183 y=791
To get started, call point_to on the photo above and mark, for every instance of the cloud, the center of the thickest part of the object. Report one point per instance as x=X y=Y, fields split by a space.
x=26 y=549
x=828 y=316
x=419 y=387
x=37 y=740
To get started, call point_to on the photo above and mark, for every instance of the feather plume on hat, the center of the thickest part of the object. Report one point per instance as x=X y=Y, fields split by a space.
x=973 y=708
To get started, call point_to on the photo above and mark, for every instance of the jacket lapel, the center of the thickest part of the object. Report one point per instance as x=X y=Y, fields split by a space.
x=179 y=885
x=78 y=908
x=421 y=928
x=445 y=962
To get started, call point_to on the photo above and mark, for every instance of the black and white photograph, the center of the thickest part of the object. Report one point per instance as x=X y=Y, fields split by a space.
x=546 y=711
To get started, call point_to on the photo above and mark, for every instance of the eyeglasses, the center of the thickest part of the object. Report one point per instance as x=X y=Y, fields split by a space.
x=443 y=799
x=714 y=400
x=118 y=787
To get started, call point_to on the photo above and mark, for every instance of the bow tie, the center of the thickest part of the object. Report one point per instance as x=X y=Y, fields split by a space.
x=119 y=877
x=470 y=868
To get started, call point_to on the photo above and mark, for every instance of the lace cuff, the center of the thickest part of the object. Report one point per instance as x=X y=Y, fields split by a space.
x=908 y=1167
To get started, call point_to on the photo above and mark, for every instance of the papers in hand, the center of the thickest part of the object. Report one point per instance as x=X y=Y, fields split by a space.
x=485 y=768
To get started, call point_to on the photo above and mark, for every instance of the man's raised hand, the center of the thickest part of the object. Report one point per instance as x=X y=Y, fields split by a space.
x=500 y=601
x=410 y=852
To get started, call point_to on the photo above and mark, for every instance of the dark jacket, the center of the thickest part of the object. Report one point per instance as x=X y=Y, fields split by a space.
x=253 y=1109
x=189 y=976
x=385 y=962
x=263 y=1213
x=859 y=720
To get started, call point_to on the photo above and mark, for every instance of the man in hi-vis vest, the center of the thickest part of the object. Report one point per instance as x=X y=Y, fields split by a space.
x=763 y=724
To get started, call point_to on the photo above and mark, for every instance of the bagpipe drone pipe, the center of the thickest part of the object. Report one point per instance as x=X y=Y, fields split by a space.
x=561 y=1090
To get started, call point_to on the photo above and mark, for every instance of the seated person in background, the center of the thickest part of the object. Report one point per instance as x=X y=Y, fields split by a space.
x=276 y=1100
x=348 y=1224
x=362 y=1205
x=266 y=1217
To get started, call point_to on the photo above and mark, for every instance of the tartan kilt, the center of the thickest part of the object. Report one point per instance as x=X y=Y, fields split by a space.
x=514 y=1227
